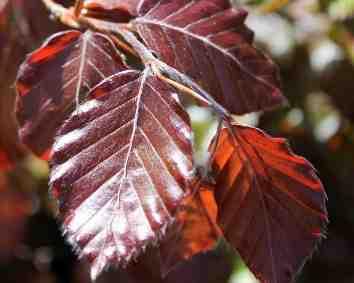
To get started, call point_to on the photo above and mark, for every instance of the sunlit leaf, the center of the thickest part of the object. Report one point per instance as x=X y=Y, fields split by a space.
x=208 y=41
x=122 y=163
x=61 y=71
x=271 y=203
x=195 y=230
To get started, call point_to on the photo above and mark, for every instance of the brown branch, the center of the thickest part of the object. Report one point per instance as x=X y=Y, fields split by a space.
x=78 y=7
x=122 y=45
x=76 y=20
x=136 y=48
x=183 y=88
x=63 y=14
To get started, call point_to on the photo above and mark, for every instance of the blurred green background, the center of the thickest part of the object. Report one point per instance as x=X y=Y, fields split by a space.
x=312 y=41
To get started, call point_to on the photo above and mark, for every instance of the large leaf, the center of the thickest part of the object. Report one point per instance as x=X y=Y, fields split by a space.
x=61 y=71
x=122 y=163
x=195 y=230
x=208 y=41
x=271 y=203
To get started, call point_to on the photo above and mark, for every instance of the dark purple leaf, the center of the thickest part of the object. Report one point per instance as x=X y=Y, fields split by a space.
x=65 y=67
x=118 y=10
x=122 y=163
x=208 y=41
x=271 y=203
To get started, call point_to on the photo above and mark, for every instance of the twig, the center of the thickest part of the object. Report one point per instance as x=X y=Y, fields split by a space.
x=78 y=7
x=175 y=78
x=76 y=20
x=124 y=46
x=62 y=13
x=184 y=89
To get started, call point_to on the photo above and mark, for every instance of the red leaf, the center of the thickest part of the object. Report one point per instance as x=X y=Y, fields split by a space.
x=122 y=164
x=119 y=10
x=5 y=163
x=271 y=203
x=65 y=67
x=208 y=41
x=195 y=230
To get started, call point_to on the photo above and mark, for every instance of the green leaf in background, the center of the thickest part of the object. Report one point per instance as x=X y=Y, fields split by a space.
x=340 y=9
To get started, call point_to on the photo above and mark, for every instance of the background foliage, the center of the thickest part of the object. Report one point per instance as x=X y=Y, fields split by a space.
x=313 y=43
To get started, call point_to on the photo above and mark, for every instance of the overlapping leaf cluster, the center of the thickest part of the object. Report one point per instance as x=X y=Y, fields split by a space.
x=120 y=141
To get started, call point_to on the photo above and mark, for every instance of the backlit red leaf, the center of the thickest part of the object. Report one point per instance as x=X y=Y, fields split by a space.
x=208 y=41
x=194 y=231
x=122 y=164
x=65 y=67
x=271 y=203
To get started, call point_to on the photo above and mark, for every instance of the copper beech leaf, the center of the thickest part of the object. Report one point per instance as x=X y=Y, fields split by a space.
x=121 y=165
x=118 y=10
x=209 y=41
x=194 y=231
x=271 y=203
x=54 y=76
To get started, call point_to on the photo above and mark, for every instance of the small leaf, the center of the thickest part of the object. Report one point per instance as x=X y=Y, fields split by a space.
x=194 y=231
x=118 y=10
x=65 y=67
x=122 y=163
x=208 y=41
x=271 y=203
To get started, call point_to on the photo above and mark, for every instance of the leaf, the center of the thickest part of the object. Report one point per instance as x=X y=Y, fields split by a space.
x=194 y=231
x=208 y=41
x=122 y=163
x=119 y=10
x=62 y=70
x=271 y=203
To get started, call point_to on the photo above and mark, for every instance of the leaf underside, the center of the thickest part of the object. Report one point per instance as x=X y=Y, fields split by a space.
x=129 y=147
x=271 y=203
x=61 y=71
x=208 y=41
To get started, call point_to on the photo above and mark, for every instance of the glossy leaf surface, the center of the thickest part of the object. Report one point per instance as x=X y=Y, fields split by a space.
x=208 y=41
x=271 y=203
x=61 y=71
x=194 y=231
x=122 y=164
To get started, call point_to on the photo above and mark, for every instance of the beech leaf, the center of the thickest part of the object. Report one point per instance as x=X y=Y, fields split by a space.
x=209 y=41
x=119 y=10
x=194 y=231
x=271 y=203
x=61 y=71
x=121 y=165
